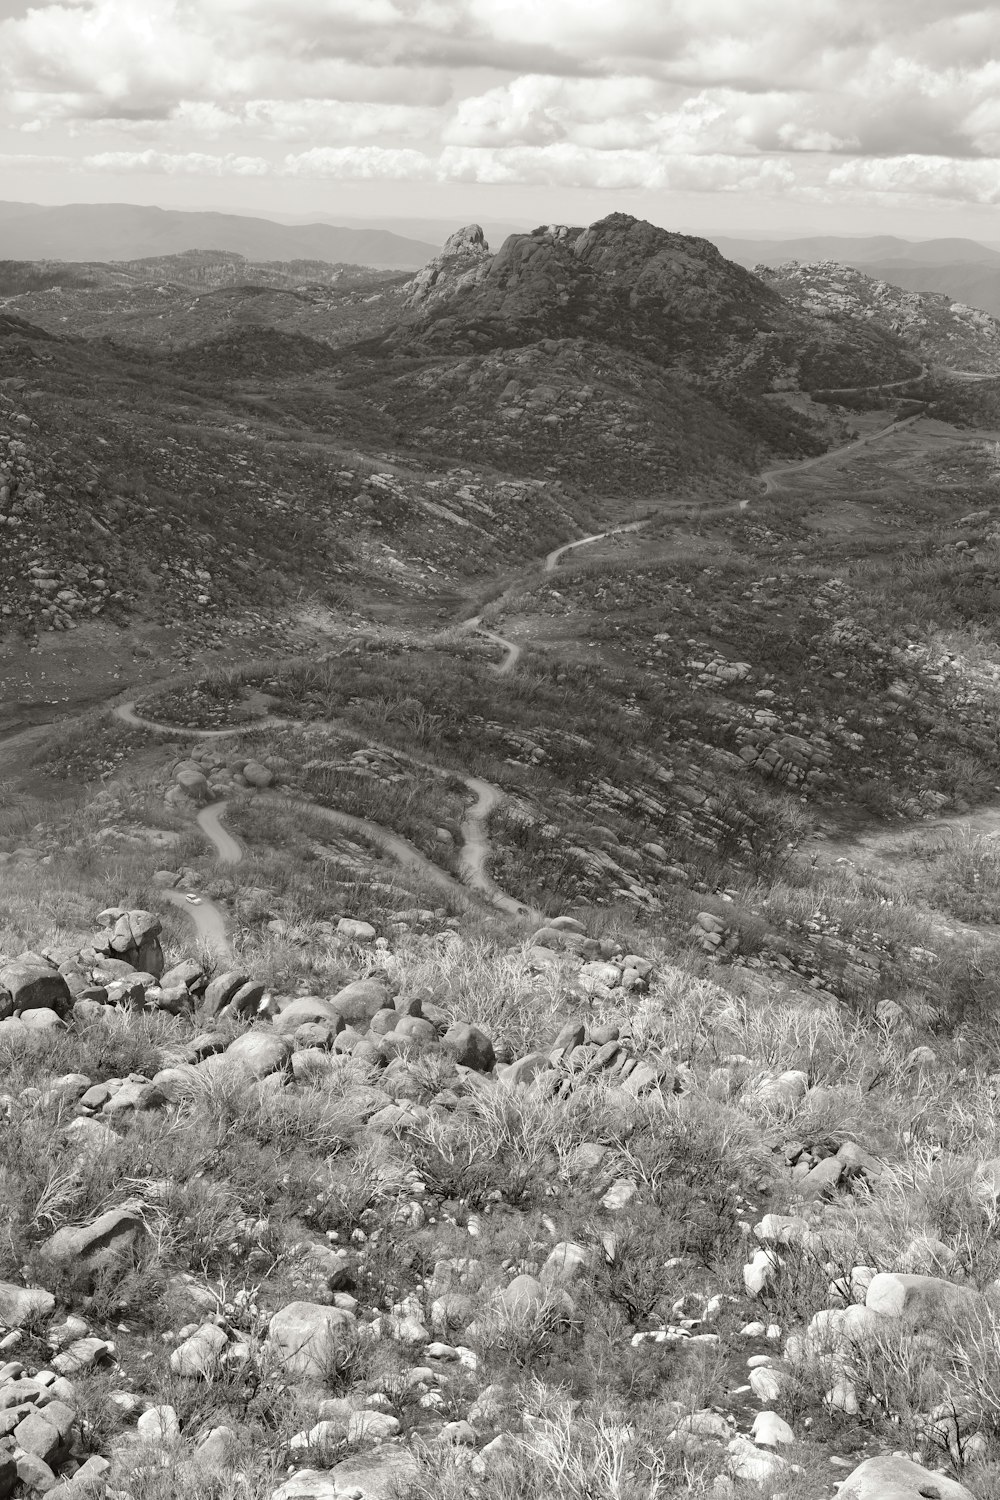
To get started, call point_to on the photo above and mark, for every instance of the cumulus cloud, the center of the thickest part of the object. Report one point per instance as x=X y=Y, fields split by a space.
x=922 y=177
x=715 y=95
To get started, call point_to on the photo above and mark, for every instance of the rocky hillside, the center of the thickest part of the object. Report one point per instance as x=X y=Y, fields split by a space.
x=936 y=328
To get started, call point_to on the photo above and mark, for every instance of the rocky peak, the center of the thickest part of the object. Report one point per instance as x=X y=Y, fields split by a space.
x=463 y=261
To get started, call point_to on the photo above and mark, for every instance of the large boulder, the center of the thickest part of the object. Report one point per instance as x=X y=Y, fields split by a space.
x=221 y=990
x=259 y=1052
x=307 y=1010
x=31 y=983
x=132 y=936
x=357 y=1003
x=470 y=1047
x=925 y=1298
x=23 y=1304
x=892 y=1477
x=385 y=1473
x=108 y=1239
x=309 y=1341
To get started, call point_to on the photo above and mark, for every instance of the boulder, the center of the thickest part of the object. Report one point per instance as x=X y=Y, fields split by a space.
x=108 y=1239
x=24 y=1304
x=259 y=1052
x=357 y=1003
x=470 y=1047
x=353 y=931
x=221 y=990
x=33 y=984
x=567 y=1262
x=198 y=1357
x=307 y=1010
x=309 y=1341
x=133 y=936
x=921 y=1297
x=246 y=1000
x=257 y=775
x=892 y=1477
x=382 y=1474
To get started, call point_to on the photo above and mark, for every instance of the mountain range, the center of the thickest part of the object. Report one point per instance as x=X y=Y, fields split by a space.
x=129 y=231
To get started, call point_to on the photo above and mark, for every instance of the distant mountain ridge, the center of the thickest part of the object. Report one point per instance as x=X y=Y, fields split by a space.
x=127 y=231
x=964 y=270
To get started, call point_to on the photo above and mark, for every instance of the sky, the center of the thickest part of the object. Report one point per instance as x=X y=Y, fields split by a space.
x=747 y=117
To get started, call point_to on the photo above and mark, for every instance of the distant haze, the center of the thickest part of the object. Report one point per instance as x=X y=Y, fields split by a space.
x=116 y=231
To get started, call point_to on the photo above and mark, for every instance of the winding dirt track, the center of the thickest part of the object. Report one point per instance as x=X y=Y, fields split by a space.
x=209 y=920
x=553 y=559
x=474 y=855
x=771 y=478
x=512 y=651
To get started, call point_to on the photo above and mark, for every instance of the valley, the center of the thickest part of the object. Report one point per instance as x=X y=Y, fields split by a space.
x=499 y=888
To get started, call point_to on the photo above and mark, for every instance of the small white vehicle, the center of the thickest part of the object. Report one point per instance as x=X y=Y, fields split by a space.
x=190 y=896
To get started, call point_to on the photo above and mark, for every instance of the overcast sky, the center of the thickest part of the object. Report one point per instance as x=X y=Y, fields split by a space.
x=752 y=116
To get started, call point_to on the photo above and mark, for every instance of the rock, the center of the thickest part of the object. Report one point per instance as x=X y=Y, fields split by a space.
x=188 y=972
x=567 y=1263
x=159 y=1424
x=607 y=975
x=771 y=1431
x=758 y=1465
x=246 y=1001
x=357 y=1003
x=822 y=1179
x=32 y=984
x=22 y=1304
x=524 y=1298
x=526 y=1069
x=619 y=1195
x=35 y=1474
x=42 y=1019
x=309 y=1341
x=258 y=1052
x=765 y=1384
x=893 y=1477
x=353 y=931
x=921 y=1297
x=257 y=775
x=760 y=1272
x=371 y=1427
x=216 y=1449
x=470 y=1047
x=383 y=1474
x=221 y=990
x=105 y=1241
x=193 y=783
x=307 y=1010
x=39 y=1436
x=133 y=937
x=199 y=1356
x=83 y=1354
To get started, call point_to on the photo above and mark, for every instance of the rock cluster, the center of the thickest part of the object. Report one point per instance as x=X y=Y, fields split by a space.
x=209 y=773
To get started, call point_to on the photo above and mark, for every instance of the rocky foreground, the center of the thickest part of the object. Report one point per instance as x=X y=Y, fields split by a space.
x=467 y=1216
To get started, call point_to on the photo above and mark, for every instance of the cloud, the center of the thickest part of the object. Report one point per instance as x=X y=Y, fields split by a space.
x=718 y=95
x=935 y=177
x=191 y=163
